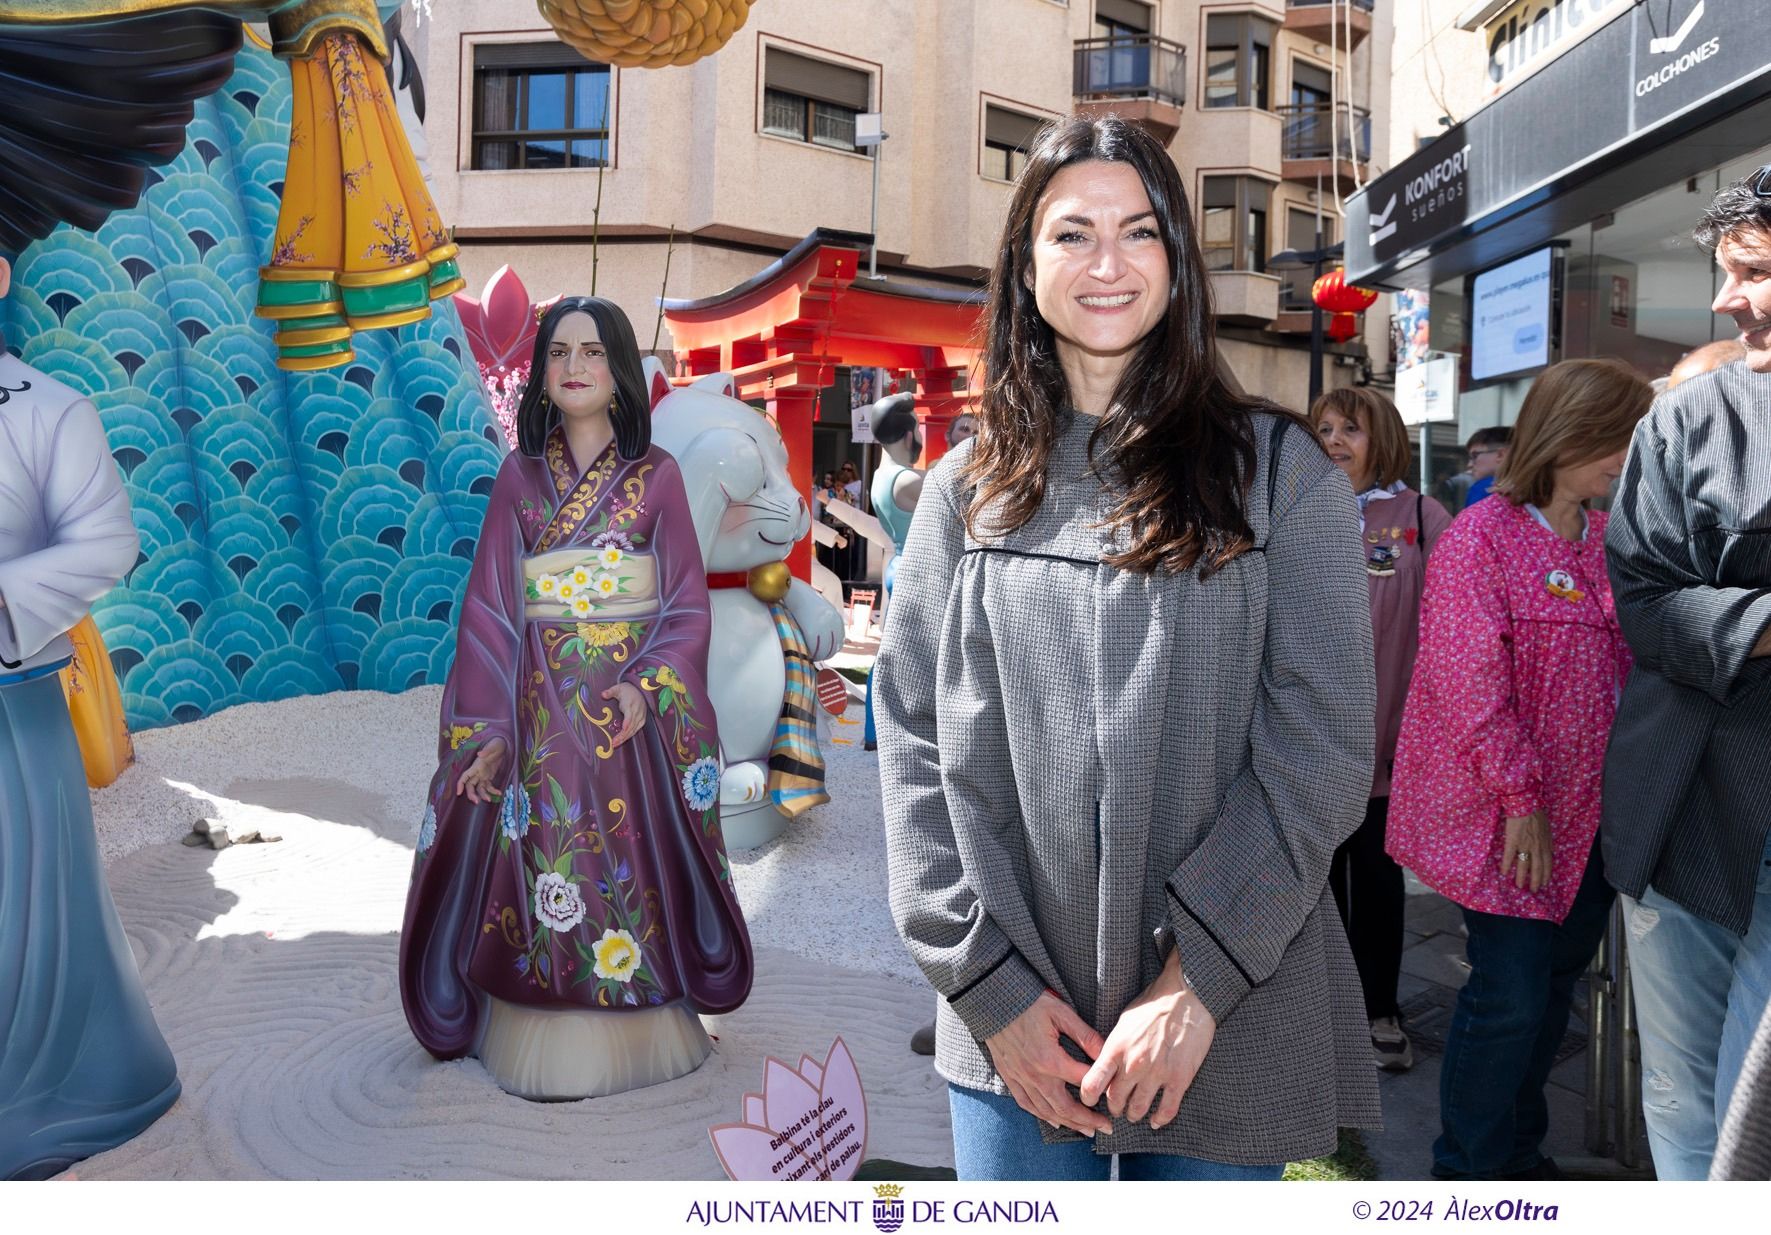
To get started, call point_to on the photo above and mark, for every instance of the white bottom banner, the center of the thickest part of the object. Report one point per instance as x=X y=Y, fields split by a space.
x=867 y=1208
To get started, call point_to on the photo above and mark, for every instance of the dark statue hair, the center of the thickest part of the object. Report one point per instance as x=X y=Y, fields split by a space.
x=89 y=106
x=631 y=411
x=894 y=418
x=1736 y=208
x=1179 y=440
x=400 y=55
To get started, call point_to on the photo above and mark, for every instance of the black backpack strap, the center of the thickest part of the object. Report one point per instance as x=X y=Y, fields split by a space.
x=1281 y=423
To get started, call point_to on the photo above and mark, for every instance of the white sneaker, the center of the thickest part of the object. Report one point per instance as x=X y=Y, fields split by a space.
x=1394 y=1051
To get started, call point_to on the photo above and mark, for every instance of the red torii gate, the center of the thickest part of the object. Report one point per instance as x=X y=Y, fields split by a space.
x=782 y=333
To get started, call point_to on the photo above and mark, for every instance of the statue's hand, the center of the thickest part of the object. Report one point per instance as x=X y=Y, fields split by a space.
x=627 y=697
x=478 y=781
x=818 y=619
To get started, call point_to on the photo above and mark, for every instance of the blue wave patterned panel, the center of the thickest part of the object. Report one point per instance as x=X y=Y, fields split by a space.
x=301 y=532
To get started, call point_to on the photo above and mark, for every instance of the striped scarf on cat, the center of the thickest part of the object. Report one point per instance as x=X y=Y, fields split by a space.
x=796 y=769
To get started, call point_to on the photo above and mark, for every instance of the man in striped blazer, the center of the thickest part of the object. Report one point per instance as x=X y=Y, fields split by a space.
x=1687 y=792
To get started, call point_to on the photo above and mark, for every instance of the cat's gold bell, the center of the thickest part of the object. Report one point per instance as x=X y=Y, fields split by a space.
x=769 y=582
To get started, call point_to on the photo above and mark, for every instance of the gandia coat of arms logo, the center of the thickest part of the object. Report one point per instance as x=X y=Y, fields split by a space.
x=888 y=1207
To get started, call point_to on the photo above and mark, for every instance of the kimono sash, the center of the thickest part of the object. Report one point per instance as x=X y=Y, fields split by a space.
x=577 y=585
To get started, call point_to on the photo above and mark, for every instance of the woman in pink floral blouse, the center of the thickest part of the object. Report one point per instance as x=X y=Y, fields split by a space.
x=1495 y=791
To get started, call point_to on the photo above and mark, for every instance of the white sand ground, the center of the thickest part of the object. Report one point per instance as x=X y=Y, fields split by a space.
x=272 y=968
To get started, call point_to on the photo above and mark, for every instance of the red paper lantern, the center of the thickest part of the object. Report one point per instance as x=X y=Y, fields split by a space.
x=1343 y=326
x=1332 y=294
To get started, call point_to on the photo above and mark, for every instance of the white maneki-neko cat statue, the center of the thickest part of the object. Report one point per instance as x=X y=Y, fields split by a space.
x=769 y=629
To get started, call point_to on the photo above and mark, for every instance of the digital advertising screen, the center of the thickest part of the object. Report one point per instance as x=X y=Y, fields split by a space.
x=1510 y=311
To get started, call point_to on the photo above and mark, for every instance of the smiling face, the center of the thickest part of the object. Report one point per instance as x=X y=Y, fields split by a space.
x=1100 y=271
x=1744 y=256
x=1348 y=446
x=746 y=508
x=578 y=378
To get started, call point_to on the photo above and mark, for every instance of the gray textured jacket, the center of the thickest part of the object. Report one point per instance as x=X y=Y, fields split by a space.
x=1743 y=1148
x=1687 y=794
x=1072 y=756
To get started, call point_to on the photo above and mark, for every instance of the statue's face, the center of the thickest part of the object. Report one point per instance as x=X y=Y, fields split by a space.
x=578 y=377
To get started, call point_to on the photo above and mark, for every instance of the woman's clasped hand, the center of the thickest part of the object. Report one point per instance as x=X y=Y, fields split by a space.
x=1144 y=1066
x=1037 y=1069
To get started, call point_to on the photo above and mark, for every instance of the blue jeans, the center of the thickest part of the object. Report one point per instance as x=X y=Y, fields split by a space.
x=1700 y=990
x=868 y=734
x=994 y=1139
x=1505 y=1030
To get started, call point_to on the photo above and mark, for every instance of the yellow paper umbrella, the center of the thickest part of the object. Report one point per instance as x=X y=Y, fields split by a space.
x=359 y=244
x=646 y=34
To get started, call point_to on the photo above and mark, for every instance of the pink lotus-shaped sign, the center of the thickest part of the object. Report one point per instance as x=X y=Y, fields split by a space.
x=500 y=325
x=808 y=1122
x=500 y=328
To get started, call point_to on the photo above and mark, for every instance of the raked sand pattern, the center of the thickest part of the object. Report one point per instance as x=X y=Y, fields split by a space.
x=271 y=968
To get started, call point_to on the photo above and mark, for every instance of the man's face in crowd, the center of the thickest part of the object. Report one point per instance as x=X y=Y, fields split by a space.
x=1745 y=260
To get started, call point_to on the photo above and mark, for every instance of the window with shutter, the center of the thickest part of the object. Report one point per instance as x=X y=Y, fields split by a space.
x=813 y=100
x=1121 y=19
x=1007 y=135
x=1233 y=222
x=538 y=105
x=1238 y=49
x=1310 y=83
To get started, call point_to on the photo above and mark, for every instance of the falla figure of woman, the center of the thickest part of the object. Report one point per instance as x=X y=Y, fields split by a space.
x=571 y=907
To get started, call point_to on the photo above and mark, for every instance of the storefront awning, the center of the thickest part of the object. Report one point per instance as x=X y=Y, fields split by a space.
x=1661 y=92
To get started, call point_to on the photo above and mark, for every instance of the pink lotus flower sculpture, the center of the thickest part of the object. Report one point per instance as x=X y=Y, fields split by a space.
x=807 y=1123
x=500 y=328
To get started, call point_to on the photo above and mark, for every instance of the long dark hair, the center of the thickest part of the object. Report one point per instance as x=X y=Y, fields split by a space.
x=631 y=412
x=1176 y=436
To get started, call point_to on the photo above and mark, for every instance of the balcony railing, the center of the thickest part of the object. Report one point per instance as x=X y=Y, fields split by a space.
x=1367 y=5
x=1140 y=67
x=1312 y=131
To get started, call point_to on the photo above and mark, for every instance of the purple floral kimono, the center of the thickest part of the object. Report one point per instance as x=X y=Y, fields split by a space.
x=599 y=880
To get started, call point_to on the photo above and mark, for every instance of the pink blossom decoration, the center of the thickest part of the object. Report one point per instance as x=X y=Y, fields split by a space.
x=500 y=327
x=808 y=1123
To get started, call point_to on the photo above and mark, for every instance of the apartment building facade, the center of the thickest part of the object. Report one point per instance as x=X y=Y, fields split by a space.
x=1274 y=110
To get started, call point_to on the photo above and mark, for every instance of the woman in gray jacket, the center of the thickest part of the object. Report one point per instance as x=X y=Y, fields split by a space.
x=1125 y=711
